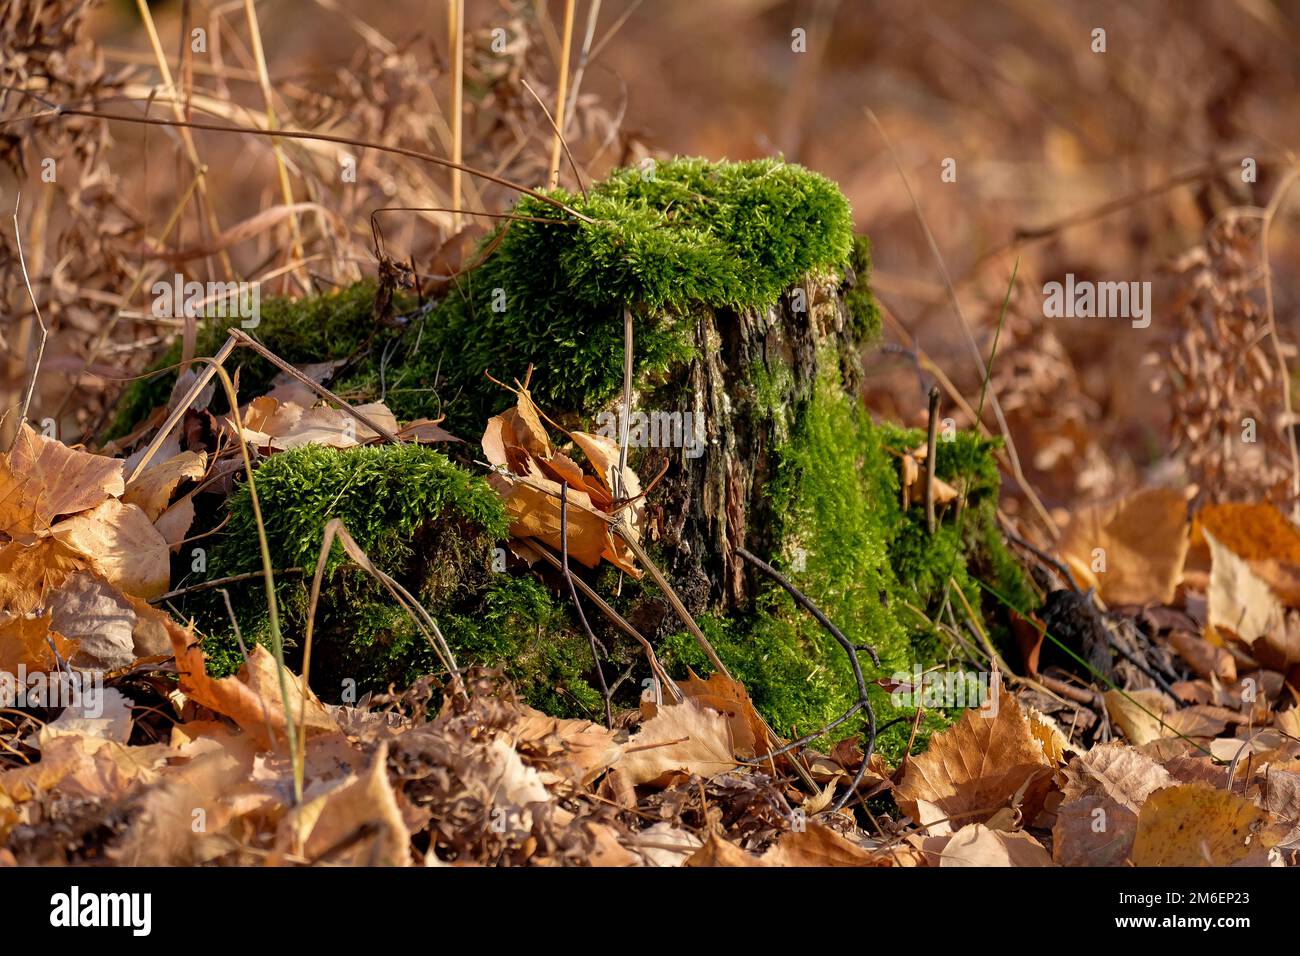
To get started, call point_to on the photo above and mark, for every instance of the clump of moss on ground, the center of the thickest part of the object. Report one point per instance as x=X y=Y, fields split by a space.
x=430 y=524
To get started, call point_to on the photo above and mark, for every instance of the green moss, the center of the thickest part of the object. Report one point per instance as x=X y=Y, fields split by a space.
x=861 y=304
x=335 y=326
x=433 y=526
x=386 y=495
x=551 y=291
x=847 y=543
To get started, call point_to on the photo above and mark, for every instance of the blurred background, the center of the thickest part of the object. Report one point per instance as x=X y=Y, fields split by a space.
x=1014 y=132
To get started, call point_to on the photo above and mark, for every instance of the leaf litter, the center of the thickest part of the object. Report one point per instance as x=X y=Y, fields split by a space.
x=1203 y=771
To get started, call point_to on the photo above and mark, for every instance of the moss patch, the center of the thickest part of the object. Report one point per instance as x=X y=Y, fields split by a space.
x=553 y=291
x=849 y=545
x=430 y=524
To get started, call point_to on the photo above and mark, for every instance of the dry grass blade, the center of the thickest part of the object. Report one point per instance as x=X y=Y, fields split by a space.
x=561 y=93
x=45 y=333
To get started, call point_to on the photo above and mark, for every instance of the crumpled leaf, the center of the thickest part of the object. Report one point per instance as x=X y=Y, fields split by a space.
x=251 y=698
x=42 y=479
x=729 y=698
x=978 y=765
x=120 y=543
x=680 y=740
x=583 y=749
x=152 y=489
x=1119 y=773
x=530 y=474
x=89 y=610
x=358 y=818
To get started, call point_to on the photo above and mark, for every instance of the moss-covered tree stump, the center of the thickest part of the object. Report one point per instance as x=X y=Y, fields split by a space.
x=750 y=304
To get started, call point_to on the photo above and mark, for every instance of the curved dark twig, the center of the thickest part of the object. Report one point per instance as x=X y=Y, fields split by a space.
x=863 y=702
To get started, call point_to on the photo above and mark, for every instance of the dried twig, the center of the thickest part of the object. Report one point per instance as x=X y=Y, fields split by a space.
x=220 y=582
x=931 y=450
x=456 y=39
x=45 y=333
x=618 y=621
x=561 y=93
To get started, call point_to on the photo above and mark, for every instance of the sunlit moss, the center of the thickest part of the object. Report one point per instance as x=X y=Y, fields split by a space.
x=870 y=565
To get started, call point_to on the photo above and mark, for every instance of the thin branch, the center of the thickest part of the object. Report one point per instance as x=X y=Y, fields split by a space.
x=329 y=138
x=220 y=582
x=573 y=164
x=561 y=93
x=931 y=451
x=863 y=702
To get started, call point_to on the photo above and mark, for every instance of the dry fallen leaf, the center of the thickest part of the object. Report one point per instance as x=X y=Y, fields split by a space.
x=1258 y=534
x=152 y=490
x=42 y=479
x=1093 y=831
x=251 y=698
x=530 y=474
x=977 y=845
x=680 y=740
x=729 y=698
x=818 y=845
x=89 y=610
x=357 y=822
x=1240 y=602
x=1197 y=826
x=977 y=766
x=122 y=544
x=27 y=574
x=584 y=749
x=1139 y=714
x=25 y=641
x=1141 y=543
